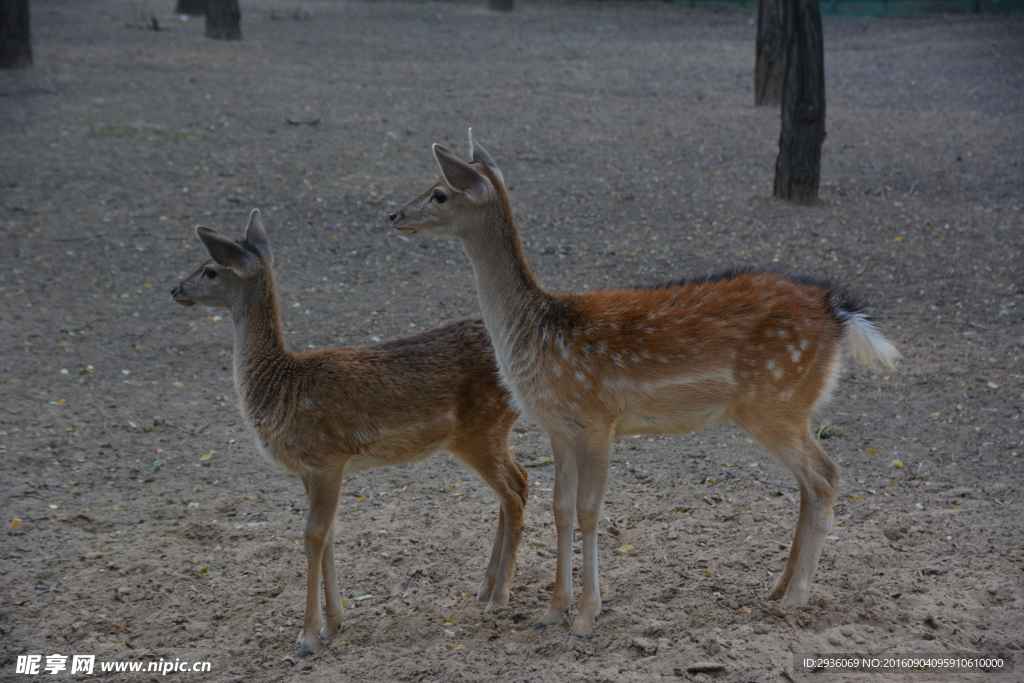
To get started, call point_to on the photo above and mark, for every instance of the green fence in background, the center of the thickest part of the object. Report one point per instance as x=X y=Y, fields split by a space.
x=877 y=8
x=860 y=8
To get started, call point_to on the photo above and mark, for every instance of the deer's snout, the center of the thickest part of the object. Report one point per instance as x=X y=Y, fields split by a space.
x=178 y=296
x=404 y=229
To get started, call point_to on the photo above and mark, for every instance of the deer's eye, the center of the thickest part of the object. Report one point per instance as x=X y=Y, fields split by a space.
x=209 y=273
x=439 y=197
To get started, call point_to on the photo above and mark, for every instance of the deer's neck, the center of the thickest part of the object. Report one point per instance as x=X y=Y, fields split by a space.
x=509 y=294
x=259 y=342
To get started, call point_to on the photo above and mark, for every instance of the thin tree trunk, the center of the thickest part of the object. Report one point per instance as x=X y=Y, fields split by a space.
x=500 y=5
x=798 y=166
x=193 y=8
x=15 y=35
x=768 y=70
x=223 y=20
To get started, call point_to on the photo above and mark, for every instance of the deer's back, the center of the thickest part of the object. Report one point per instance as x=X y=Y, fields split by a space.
x=675 y=357
x=384 y=404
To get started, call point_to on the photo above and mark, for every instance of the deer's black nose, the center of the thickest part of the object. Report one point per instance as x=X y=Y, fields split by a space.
x=393 y=217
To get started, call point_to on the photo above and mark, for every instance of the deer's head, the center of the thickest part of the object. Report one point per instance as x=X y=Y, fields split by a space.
x=456 y=203
x=222 y=279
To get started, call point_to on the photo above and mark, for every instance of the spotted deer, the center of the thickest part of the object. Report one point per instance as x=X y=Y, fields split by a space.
x=328 y=413
x=755 y=348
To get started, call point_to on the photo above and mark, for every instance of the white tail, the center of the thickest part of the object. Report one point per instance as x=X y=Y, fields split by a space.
x=331 y=412
x=758 y=349
x=867 y=344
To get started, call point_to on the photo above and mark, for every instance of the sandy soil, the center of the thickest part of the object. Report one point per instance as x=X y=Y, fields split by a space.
x=634 y=154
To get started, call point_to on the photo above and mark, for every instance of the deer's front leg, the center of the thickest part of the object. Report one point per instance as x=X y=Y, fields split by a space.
x=564 y=505
x=592 y=459
x=322 y=493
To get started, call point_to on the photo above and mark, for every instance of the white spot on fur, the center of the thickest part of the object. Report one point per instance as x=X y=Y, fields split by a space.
x=687 y=380
x=618 y=384
x=562 y=346
x=793 y=353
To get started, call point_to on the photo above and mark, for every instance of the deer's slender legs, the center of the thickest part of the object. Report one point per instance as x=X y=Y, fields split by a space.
x=322 y=492
x=564 y=508
x=592 y=451
x=498 y=549
x=332 y=599
x=487 y=453
x=818 y=478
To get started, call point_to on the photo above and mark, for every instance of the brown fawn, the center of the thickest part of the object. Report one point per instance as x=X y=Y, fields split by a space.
x=758 y=349
x=328 y=413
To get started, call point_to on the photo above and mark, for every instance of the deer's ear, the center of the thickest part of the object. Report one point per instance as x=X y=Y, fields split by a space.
x=462 y=177
x=256 y=236
x=479 y=155
x=225 y=252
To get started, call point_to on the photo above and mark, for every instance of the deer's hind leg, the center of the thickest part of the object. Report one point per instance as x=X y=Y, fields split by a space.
x=488 y=454
x=332 y=598
x=818 y=479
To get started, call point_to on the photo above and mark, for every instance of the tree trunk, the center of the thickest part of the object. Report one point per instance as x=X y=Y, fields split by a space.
x=768 y=71
x=798 y=166
x=223 y=20
x=193 y=8
x=500 y=5
x=15 y=36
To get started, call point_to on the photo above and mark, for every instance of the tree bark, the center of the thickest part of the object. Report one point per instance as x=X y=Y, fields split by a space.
x=223 y=20
x=500 y=5
x=193 y=8
x=768 y=70
x=15 y=35
x=798 y=166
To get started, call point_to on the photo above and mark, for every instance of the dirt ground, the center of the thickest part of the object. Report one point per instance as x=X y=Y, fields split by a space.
x=140 y=524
